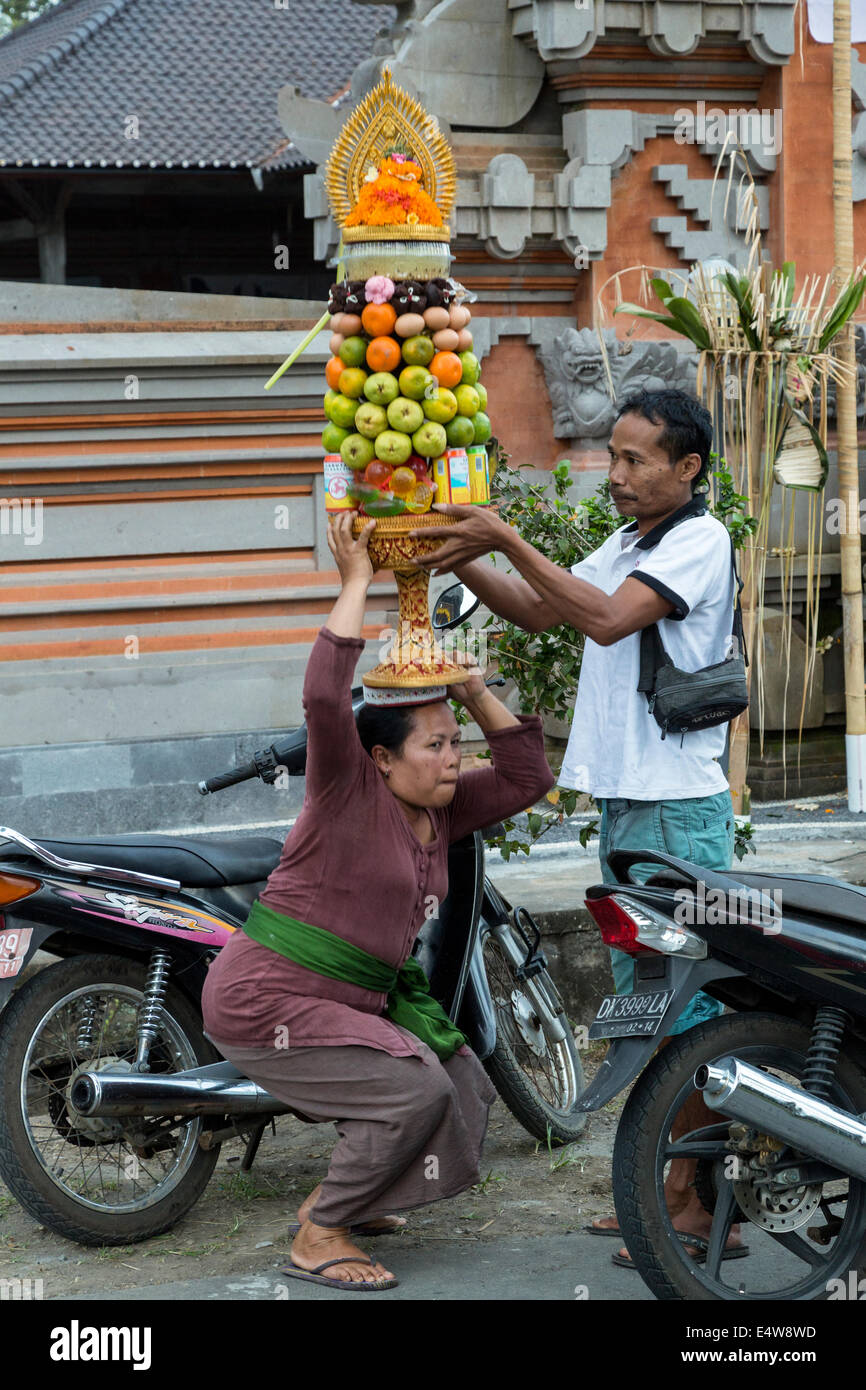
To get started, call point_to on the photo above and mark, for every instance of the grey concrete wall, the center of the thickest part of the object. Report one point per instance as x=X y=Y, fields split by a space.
x=28 y=303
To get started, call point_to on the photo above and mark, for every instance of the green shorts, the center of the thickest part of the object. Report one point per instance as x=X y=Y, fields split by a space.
x=699 y=829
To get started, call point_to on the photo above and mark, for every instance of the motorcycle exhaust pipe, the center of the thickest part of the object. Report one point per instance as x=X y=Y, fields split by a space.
x=215 y=1090
x=802 y=1120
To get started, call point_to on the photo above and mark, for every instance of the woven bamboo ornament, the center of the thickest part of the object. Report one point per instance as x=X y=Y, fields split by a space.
x=801 y=462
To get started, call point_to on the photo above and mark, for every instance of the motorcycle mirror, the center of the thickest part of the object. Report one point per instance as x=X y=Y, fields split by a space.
x=453 y=606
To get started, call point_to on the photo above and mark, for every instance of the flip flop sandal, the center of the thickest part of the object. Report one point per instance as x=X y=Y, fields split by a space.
x=604 y=1231
x=294 y=1227
x=314 y=1276
x=738 y=1252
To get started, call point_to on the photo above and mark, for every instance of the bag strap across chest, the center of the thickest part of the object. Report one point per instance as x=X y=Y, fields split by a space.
x=652 y=652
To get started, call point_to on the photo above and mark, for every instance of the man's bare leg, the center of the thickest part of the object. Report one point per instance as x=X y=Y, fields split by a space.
x=685 y=1208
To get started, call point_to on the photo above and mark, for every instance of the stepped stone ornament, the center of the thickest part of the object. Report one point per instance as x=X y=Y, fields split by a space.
x=577 y=385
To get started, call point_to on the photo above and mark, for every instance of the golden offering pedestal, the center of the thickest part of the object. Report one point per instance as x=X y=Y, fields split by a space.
x=416 y=668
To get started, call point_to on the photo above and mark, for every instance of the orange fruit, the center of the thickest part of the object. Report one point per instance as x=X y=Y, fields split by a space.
x=447 y=368
x=378 y=319
x=383 y=354
x=332 y=372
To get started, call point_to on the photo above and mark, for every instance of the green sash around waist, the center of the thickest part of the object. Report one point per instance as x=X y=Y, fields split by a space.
x=410 y=1003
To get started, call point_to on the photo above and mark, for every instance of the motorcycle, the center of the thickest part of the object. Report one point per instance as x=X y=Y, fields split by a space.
x=114 y=1103
x=779 y=1148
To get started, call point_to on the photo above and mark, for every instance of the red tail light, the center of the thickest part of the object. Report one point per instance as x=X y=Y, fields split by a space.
x=617 y=928
x=13 y=888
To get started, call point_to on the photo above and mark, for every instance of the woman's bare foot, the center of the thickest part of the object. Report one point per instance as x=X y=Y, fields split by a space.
x=381 y=1223
x=313 y=1245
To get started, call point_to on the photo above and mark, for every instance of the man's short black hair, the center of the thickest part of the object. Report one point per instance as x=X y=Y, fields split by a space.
x=687 y=426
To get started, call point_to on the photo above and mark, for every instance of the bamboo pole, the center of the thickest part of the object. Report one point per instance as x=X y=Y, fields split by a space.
x=748 y=482
x=846 y=418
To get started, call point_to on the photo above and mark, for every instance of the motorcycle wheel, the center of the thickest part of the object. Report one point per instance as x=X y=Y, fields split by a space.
x=811 y=1244
x=539 y=1077
x=95 y=1181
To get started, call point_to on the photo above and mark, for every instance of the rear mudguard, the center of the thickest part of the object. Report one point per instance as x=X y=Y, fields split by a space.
x=627 y=1057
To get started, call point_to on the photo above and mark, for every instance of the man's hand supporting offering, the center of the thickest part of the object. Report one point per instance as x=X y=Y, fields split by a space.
x=546 y=595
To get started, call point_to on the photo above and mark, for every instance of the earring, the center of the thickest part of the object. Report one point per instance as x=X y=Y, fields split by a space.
x=386 y=772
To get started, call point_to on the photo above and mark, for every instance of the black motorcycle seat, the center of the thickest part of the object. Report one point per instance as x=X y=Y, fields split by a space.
x=218 y=863
x=811 y=895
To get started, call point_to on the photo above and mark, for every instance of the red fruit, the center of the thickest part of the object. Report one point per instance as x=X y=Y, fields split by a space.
x=378 y=473
x=419 y=467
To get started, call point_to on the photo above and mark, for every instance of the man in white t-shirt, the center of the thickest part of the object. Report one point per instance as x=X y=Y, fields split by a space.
x=671 y=565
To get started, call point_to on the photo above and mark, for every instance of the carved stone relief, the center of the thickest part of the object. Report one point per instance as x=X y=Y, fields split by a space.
x=577 y=383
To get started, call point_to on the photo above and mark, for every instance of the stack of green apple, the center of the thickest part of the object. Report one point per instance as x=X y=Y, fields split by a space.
x=393 y=417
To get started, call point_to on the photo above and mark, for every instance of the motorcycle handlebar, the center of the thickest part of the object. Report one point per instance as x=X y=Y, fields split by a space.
x=227 y=779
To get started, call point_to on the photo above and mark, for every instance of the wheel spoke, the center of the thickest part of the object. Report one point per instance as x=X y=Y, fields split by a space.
x=90 y=1160
x=799 y=1246
x=723 y=1219
x=681 y=1148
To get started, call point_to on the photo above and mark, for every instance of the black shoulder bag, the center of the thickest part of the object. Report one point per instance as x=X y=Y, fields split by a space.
x=684 y=701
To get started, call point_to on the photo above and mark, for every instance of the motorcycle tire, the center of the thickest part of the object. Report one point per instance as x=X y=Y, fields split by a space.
x=539 y=1079
x=54 y=1175
x=642 y=1149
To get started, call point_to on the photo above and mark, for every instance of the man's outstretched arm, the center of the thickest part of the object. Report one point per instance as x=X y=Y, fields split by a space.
x=559 y=597
x=508 y=595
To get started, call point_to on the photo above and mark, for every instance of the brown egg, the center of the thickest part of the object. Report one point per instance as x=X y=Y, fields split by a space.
x=337 y=340
x=464 y=340
x=437 y=318
x=445 y=340
x=408 y=325
x=350 y=325
x=459 y=316
x=337 y=323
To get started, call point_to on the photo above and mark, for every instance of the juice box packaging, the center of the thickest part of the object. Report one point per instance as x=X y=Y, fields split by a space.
x=479 y=477
x=458 y=470
x=337 y=478
x=441 y=480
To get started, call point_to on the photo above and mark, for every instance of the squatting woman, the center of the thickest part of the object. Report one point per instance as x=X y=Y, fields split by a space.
x=318 y=999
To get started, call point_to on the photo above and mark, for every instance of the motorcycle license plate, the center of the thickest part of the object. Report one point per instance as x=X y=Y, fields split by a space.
x=631 y=1015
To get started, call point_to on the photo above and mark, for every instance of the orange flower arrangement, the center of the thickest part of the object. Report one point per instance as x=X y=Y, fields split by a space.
x=394 y=197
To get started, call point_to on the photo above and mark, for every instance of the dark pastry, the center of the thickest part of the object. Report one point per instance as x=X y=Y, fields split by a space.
x=337 y=298
x=409 y=297
x=355 y=296
x=439 y=292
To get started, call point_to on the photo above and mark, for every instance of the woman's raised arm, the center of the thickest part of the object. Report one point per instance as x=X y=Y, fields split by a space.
x=335 y=756
x=356 y=572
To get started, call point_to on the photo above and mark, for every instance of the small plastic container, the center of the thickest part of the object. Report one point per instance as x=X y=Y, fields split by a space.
x=337 y=479
x=479 y=475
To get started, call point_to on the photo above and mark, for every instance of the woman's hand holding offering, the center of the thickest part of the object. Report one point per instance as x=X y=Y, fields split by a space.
x=479 y=702
x=352 y=557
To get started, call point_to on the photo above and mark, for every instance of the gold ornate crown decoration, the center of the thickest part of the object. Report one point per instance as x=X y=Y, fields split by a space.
x=388 y=119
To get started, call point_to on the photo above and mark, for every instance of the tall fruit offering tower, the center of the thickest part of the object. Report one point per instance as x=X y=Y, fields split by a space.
x=407 y=423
